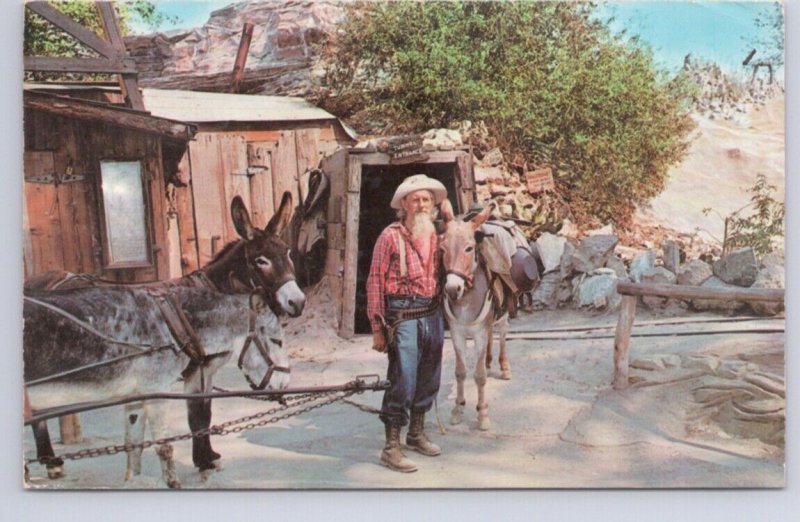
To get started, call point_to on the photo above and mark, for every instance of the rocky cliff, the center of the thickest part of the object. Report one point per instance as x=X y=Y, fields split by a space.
x=281 y=59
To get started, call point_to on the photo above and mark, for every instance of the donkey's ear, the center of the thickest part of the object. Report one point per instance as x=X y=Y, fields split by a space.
x=281 y=217
x=241 y=219
x=484 y=214
x=446 y=211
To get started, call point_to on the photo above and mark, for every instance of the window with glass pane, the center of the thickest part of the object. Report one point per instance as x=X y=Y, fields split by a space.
x=123 y=201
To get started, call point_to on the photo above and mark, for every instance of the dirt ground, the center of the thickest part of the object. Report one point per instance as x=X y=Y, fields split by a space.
x=704 y=411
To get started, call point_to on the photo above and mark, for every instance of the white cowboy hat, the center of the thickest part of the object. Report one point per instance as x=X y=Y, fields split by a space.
x=415 y=183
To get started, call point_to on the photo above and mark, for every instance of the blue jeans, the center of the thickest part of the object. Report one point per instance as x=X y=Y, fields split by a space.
x=415 y=362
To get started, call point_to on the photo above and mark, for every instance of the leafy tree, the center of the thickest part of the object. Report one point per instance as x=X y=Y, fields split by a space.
x=41 y=38
x=551 y=83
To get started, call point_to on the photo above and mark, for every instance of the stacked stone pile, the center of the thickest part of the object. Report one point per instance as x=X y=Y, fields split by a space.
x=587 y=271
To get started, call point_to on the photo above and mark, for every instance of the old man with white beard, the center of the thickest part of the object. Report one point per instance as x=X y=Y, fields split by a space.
x=404 y=309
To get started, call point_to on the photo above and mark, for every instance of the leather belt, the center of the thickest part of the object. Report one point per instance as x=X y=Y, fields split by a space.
x=407 y=314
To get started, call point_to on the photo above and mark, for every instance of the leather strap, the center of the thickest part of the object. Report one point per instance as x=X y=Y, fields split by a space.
x=179 y=326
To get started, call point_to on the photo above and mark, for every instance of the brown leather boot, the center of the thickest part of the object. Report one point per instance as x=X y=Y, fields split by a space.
x=392 y=457
x=416 y=438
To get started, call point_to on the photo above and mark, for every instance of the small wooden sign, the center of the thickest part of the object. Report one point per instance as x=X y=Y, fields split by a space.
x=540 y=180
x=403 y=149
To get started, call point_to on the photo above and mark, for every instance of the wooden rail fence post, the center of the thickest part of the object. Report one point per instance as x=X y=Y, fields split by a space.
x=70 y=428
x=627 y=313
x=622 y=341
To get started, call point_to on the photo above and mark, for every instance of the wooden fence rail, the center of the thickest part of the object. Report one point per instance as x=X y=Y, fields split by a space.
x=631 y=291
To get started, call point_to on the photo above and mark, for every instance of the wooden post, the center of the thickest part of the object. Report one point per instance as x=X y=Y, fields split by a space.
x=349 y=280
x=128 y=81
x=622 y=341
x=70 y=427
x=627 y=313
x=241 y=57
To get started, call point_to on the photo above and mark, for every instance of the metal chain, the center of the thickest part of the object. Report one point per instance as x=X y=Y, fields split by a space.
x=221 y=429
x=362 y=407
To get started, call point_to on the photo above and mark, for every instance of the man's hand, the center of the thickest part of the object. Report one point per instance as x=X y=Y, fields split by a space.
x=378 y=342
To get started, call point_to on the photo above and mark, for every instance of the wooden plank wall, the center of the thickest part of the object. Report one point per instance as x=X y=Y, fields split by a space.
x=260 y=162
x=184 y=207
x=257 y=164
x=207 y=190
x=233 y=174
x=284 y=173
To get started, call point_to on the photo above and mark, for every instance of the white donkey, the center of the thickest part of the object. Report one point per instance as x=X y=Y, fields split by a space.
x=469 y=305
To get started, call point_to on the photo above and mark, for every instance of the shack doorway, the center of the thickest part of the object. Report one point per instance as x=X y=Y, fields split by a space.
x=378 y=184
x=362 y=183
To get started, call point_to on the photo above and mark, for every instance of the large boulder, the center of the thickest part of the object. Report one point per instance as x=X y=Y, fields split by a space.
x=717 y=305
x=567 y=266
x=485 y=175
x=771 y=276
x=598 y=291
x=441 y=139
x=641 y=264
x=545 y=297
x=738 y=268
x=657 y=275
x=672 y=255
x=694 y=273
x=593 y=252
x=551 y=247
x=616 y=264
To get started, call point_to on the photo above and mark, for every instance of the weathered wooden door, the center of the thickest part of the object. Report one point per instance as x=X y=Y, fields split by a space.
x=58 y=228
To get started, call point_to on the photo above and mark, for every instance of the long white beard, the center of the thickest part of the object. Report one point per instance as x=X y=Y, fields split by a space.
x=423 y=225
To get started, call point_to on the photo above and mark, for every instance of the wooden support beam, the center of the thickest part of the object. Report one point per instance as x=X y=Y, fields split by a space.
x=241 y=57
x=84 y=65
x=73 y=28
x=128 y=81
x=352 y=222
x=622 y=341
x=699 y=292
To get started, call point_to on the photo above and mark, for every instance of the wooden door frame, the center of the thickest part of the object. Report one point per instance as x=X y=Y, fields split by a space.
x=465 y=187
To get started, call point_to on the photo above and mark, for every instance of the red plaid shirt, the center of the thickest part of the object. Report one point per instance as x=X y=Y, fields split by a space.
x=384 y=272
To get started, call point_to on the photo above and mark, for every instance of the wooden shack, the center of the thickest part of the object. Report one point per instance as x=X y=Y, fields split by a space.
x=363 y=181
x=94 y=192
x=252 y=146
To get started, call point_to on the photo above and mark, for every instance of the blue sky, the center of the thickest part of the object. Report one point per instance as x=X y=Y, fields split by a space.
x=717 y=31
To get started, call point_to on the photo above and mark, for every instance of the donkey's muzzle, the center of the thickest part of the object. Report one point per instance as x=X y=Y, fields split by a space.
x=291 y=299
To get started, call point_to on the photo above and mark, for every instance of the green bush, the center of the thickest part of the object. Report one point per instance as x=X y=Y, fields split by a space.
x=761 y=228
x=550 y=82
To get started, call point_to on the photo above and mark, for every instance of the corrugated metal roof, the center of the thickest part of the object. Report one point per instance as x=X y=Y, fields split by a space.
x=199 y=107
x=211 y=107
